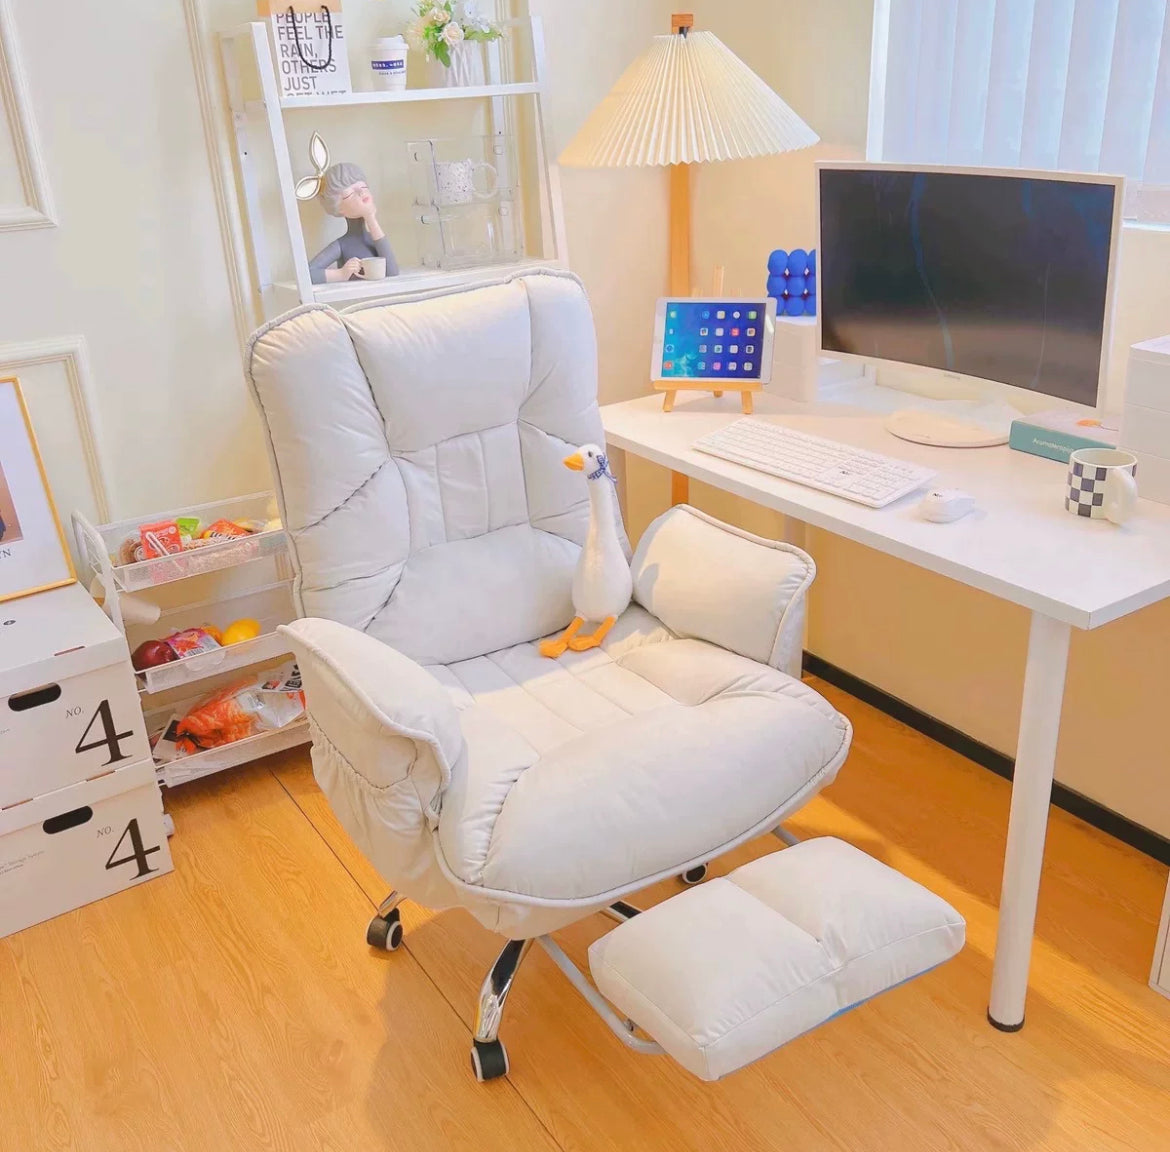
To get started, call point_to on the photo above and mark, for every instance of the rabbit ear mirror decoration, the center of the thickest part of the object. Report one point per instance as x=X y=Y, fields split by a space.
x=362 y=252
x=309 y=187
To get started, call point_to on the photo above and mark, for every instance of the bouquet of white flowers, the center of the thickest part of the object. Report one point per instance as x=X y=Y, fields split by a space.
x=440 y=25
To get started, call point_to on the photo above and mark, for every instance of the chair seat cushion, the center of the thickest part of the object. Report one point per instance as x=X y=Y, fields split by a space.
x=604 y=770
x=724 y=973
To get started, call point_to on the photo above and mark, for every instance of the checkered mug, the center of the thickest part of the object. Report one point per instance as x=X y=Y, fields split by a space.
x=1101 y=484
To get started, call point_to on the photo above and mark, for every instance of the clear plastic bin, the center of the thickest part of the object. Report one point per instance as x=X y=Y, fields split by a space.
x=100 y=545
x=229 y=755
x=270 y=607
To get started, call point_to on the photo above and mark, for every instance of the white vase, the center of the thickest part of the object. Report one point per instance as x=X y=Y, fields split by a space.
x=466 y=69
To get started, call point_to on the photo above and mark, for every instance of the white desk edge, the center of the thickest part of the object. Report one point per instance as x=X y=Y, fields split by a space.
x=841 y=517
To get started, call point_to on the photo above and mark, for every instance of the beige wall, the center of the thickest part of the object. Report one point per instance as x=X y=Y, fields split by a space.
x=615 y=218
x=117 y=314
x=953 y=652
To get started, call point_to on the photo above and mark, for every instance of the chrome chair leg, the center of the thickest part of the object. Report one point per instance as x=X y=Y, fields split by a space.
x=782 y=833
x=390 y=903
x=496 y=986
x=489 y=1057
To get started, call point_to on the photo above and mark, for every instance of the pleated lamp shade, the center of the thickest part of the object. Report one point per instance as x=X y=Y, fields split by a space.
x=688 y=100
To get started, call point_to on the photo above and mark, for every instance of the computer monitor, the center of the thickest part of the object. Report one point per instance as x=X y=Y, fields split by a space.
x=981 y=274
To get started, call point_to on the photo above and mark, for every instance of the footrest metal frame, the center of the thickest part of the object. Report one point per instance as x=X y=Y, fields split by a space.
x=623 y=1028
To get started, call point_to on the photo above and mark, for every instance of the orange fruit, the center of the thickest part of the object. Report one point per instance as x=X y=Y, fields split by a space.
x=240 y=630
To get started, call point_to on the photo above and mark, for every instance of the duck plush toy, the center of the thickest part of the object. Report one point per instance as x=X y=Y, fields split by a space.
x=602 y=584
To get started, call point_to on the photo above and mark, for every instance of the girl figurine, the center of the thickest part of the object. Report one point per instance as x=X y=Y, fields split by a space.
x=345 y=193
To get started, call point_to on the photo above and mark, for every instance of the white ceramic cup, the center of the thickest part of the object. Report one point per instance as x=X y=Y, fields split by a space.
x=374 y=268
x=455 y=181
x=388 y=63
x=1102 y=484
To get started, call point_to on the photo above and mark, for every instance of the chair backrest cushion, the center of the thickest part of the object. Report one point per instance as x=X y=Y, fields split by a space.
x=417 y=447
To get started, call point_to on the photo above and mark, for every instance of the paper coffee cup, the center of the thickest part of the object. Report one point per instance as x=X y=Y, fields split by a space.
x=374 y=268
x=388 y=63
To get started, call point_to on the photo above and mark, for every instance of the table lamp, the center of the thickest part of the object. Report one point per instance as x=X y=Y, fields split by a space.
x=687 y=100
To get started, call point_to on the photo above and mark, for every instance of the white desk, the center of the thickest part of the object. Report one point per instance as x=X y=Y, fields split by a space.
x=1021 y=546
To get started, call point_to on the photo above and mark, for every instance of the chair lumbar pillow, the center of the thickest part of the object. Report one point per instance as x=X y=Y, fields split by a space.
x=419 y=451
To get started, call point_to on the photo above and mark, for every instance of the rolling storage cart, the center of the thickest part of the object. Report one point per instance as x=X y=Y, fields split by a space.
x=245 y=577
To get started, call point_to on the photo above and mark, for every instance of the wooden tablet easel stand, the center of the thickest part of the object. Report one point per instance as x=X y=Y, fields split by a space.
x=716 y=387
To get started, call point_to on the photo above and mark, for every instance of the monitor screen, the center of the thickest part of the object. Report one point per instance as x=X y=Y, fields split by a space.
x=713 y=339
x=1004 y=278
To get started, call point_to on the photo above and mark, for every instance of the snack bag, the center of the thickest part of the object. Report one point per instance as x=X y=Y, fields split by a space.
x=192 y=642
x=188 y=529
x=224 y=530
x=161 y=539
x=261 y=703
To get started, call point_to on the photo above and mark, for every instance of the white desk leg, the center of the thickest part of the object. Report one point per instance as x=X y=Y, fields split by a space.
x=1028 y=823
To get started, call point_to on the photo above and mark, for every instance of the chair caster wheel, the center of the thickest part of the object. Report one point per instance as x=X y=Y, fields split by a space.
x=694 y=875
x=385 y=933
x=488 y=1059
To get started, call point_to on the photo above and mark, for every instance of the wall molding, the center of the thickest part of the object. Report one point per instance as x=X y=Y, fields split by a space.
x=213 y=113
x=73 y=353
x=16 y=103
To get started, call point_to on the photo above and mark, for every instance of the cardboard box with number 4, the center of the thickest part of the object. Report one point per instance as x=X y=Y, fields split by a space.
x=80 y=844
x=69 y=707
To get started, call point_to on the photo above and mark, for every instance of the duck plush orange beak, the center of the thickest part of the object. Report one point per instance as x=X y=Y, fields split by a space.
x=575 y=461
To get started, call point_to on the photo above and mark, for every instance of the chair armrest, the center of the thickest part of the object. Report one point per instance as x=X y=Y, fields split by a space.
x=388 y=716
x=705 y=579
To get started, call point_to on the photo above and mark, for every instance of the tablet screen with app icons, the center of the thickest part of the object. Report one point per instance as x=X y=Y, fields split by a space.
x=714 y=340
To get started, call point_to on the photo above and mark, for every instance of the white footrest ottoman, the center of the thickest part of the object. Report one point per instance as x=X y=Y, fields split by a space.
x=726 y=972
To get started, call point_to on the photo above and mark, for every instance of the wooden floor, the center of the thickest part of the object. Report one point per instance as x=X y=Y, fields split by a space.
x=234 y=1006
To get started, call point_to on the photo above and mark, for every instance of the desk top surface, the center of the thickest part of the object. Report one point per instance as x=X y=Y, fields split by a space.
x=1020 y=544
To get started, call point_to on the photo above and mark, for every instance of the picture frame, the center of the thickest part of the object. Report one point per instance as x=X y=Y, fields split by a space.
x=34 y=556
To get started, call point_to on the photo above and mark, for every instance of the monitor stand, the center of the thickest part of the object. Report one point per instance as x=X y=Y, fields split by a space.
x=949 y=430
x=979 y=419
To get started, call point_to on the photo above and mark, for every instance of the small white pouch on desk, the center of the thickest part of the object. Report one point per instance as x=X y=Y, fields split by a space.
x=727 y=972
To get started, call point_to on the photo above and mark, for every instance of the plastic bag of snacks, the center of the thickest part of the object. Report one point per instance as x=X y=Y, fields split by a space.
x=262 y=702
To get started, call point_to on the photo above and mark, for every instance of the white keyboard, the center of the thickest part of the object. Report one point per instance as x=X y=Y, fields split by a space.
x=815 y=462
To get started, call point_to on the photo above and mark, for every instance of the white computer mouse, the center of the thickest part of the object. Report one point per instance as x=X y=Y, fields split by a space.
x=942 y=505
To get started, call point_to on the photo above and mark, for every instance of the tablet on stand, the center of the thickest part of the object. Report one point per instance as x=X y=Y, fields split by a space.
x=712 y=344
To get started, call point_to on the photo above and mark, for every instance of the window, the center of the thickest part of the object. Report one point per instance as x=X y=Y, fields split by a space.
x=1077 y=85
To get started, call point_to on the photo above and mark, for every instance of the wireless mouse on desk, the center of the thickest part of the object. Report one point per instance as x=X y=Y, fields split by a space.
x=942 y=505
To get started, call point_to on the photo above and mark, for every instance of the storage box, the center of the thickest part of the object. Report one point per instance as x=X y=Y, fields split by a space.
x=1145 y=426
x=1146 y=433
x=69 y=705
x=80 y=844
x=1153 y=477
x=798 y=369
x=1060 y=432
x=1146 y=430
x=1147 y=379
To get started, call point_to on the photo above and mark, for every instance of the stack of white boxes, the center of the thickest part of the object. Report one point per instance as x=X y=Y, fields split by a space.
x=80 y=809
x=1145 y=419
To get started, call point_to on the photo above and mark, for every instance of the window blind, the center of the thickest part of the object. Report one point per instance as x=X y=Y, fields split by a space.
x=1075 y=85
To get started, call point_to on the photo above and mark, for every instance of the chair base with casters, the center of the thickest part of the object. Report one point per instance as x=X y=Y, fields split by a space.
x=417 y=447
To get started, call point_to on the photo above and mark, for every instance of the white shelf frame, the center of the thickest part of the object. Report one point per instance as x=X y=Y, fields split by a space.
x=410 y=95
x=252 y=41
